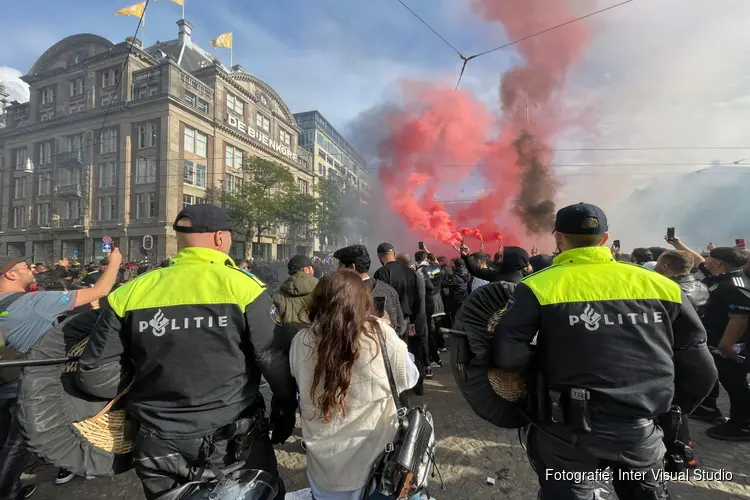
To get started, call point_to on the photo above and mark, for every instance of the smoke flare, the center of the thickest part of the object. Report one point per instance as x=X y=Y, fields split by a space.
x=439 y=138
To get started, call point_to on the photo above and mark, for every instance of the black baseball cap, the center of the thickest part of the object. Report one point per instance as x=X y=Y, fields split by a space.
x=7 y=263
x=299 y=262
x=385 y=248
x=582 y=218
x=206 y=218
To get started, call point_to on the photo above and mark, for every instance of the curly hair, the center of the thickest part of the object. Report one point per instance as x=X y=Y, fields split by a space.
x=342 y=310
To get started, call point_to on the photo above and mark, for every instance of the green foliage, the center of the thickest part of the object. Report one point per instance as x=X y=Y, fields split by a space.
x=268 y=197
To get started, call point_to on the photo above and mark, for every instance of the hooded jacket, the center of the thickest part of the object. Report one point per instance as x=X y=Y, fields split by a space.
x=515 y=260
x=293 y=298
x=433 y=301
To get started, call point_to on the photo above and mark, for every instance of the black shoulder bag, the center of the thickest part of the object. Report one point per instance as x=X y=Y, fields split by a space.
x=405 y=465
x=8 y=353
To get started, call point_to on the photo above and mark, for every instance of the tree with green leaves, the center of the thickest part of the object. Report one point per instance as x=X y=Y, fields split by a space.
x=267 y=198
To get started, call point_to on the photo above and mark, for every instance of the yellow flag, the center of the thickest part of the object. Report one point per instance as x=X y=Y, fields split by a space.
x=134 y=10
x=179 y=2
x=224 y=40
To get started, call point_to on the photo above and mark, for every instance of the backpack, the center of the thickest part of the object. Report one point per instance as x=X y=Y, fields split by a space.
x=8 y=353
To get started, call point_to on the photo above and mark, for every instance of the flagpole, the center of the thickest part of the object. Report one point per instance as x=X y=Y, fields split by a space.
x=183 y=10
x=231 y=55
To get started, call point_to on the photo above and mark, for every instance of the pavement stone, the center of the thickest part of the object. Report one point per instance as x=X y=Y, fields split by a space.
x=469 y=450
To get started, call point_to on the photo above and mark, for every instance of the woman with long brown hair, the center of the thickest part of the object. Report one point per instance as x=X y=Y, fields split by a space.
x=348 y=413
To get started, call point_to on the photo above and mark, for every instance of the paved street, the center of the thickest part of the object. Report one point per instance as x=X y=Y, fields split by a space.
x=469 y=451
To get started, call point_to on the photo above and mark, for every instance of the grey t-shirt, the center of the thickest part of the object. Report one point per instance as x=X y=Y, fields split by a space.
x=25 y=320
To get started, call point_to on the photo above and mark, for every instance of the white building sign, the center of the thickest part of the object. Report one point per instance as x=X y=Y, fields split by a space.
x=261 y=137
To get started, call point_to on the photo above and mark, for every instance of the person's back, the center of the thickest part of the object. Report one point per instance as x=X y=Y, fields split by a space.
x=633 y=307
x=403 y=280
x=347 y=416
x=293 y=298
x=186 y=329
x=616 y=347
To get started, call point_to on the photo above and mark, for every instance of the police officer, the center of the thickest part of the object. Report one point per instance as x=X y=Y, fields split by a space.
x=727 y=320
x=607 y=336
x=194 y=338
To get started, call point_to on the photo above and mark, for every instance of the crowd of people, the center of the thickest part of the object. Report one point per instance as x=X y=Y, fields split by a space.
x=311 y=329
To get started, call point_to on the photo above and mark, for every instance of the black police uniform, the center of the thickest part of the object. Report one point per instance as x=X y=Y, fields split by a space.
x=730 y=297
x=608 y=333
x=198 y=335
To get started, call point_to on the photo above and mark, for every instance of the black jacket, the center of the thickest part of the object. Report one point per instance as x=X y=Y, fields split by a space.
x=458 y=285
x=628 y=335
x=515 y=260
x=729 y=295
x=404 y=281
x=694 y=290
x=197 y=335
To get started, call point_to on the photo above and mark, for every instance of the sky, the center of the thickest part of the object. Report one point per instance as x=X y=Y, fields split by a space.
x=661 y=74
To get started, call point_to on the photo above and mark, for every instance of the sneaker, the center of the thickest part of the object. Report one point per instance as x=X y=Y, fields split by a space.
x=729 y=432
x=89 y=478
x=435 y=364
x=27 y=491
x=428 y=373
x=303 y=445
x=710 y=415
x=64 y=476
x=443 y=349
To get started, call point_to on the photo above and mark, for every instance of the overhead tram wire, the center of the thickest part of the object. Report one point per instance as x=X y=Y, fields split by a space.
x=432 y=29
x=476 y=56
x=122 y=68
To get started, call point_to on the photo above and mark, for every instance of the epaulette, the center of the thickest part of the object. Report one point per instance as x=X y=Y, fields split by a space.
x=539 y=271
x=251 y=276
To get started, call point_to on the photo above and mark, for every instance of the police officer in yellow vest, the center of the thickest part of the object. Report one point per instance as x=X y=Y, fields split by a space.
x=195 y=338
x=617 y=345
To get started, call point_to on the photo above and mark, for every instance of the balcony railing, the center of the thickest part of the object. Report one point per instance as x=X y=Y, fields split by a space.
x=70 y=190
x=73 y=158
x=65 y=223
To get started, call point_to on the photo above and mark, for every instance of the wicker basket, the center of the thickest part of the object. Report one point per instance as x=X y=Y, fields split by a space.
x=509 y=386
x=108 y=430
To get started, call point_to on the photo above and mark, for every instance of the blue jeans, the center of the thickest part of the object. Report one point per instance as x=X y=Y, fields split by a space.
x=13 y=456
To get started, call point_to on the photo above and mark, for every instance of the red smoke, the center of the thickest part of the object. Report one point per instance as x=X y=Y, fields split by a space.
x=440 y=137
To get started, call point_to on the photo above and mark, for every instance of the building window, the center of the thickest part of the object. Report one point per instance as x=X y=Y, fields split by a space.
x=20 y=158
x=195 y=142
x=145 y=170
x=42 y=214
x=141 y=92
x=75 y=143
x=286 y=138
x=188 y=176
x=187 y=200
x=147 y=135
x=329 y=159
x=202 y=105
x=201 y=144
x=107 y=174
x=200 y=176
x=304 y=186
x=321 y=169
x=189 y=140
x=153 y=89
x=106 y=208
x=190 y=98
x=196 y=102
x=109 y=77
x=44 y=188
x=232 y=184
x=234 y=157
x=262 y=122
x=19 y=217
x=45 y=153
x=108 y=142
x=145 y=205
x=48 y=95
x=72 y=208
x=235 y=104
x=19 y=188
x=76 y=87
